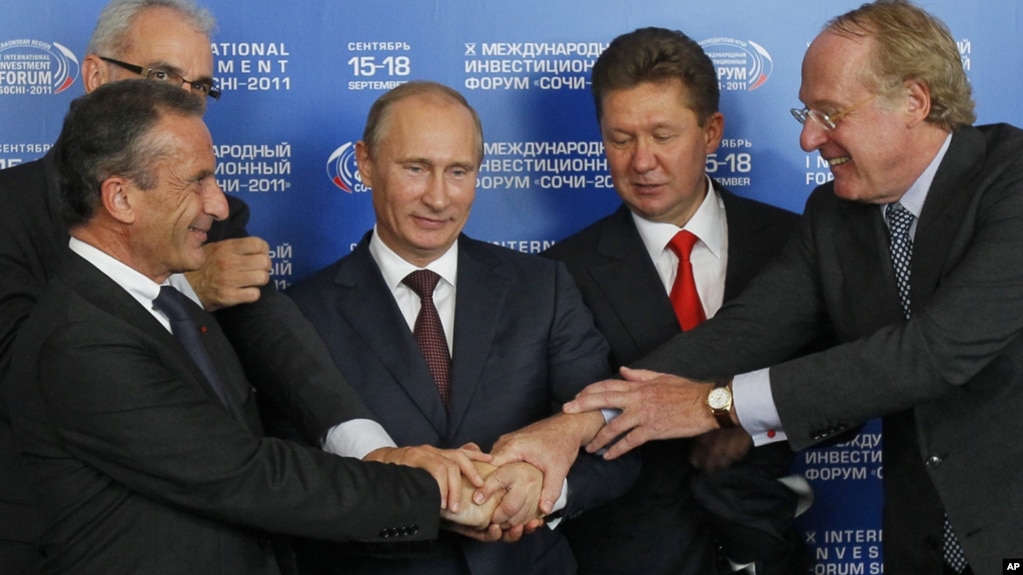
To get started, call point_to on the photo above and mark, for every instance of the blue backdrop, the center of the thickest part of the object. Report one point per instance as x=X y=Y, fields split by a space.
x=299 y=77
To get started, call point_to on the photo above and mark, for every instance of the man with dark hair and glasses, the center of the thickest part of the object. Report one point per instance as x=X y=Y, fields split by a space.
x=914 y=256
x=169 y=41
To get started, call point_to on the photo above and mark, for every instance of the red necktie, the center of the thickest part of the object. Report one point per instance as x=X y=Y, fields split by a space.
x=429 y=332
x=684 y=297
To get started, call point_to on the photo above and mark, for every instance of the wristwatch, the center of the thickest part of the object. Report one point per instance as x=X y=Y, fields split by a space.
x=720 y=402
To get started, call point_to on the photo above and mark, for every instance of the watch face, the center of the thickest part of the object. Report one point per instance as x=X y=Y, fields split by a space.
x=719 y=398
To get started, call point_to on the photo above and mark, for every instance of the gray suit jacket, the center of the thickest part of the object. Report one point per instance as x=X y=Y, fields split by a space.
x=948 y=381
x=524 y=344
x=139 y=468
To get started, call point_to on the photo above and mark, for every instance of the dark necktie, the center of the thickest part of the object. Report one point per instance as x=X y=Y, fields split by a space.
x=684 y=297
x=429 y=332
x=175 y=306
x=901 y=249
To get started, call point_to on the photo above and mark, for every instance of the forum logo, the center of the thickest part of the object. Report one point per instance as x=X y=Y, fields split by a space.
x=35 y=67
x=743 y=66
x=343 y=170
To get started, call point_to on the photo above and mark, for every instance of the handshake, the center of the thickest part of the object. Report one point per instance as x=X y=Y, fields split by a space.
x=507 y=493
x=511 y=510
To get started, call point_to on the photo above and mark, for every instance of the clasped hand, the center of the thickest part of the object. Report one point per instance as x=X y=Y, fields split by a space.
x=511 y=511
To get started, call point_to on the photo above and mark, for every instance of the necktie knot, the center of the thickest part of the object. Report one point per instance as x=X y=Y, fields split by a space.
x=172 y=303
x=175 y=305
x=682 y=244
x=899 y=218
x=423 y=282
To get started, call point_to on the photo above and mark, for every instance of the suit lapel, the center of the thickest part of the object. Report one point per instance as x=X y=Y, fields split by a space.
x=479 y=305
x=106 y=294
x=629 y=281
x=746 y=252
x=947 y=201
x=365 y=302
x=861 y=245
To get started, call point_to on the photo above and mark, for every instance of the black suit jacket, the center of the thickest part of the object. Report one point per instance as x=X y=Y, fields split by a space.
x=947 y=381
x=282 y=353
x=139 y=468
x=641 y=532
x=524 y=344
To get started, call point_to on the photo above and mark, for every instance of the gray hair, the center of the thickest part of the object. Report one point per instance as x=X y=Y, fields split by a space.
x=111 y=36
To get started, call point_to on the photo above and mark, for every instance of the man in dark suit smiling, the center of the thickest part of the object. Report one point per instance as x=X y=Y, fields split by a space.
x=495 y=341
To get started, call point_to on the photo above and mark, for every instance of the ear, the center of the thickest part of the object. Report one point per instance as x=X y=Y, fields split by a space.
x=365 y=163
x=713 y=129
x=95 y=73
x=918 y=101
x=117 y=199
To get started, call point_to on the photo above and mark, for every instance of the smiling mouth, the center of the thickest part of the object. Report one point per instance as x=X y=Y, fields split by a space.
x=838 y=161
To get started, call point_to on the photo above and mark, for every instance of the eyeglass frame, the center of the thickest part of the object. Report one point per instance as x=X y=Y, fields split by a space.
x=827 y=121
x=195 y=86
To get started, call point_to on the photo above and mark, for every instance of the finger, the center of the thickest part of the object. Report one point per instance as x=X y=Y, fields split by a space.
x=513 y=509
x=454 y=475
x=252 y=277
x=627 y=443
x=474 y=453
x=629 y=374
x=488 y=535
x=551 y=490
x=494 y=483
x=532 y=525
x=248 y=245
x=513 y=534
x=608 y=395
x=611 y=431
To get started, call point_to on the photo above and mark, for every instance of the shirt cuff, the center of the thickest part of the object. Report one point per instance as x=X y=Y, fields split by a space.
x=754 y=404
x=356 y=438
x=559 y=505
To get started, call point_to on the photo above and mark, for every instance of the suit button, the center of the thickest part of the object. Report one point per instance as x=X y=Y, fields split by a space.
x=387 y=533
x=933 y=462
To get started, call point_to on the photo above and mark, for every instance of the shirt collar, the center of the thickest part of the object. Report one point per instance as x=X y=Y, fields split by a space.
x=135 y=283
x=913 y=199
x=707 y=224
x=394 y=268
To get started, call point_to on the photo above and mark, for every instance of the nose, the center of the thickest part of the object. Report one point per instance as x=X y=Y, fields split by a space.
x=643 y=158
x=437 y=196
x=812 y=136
x=215 y=201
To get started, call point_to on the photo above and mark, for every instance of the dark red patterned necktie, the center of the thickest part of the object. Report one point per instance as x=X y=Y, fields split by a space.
x=429 y=332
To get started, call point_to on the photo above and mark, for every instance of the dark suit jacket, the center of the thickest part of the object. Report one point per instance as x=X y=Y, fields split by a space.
x=658 y=527
x=139 y=468
x=282 y=353
x=948 y=381
x=524 y=343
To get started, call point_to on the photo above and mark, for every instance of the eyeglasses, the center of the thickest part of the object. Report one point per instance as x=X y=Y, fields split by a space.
x=827 y=121
x=166 y=76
